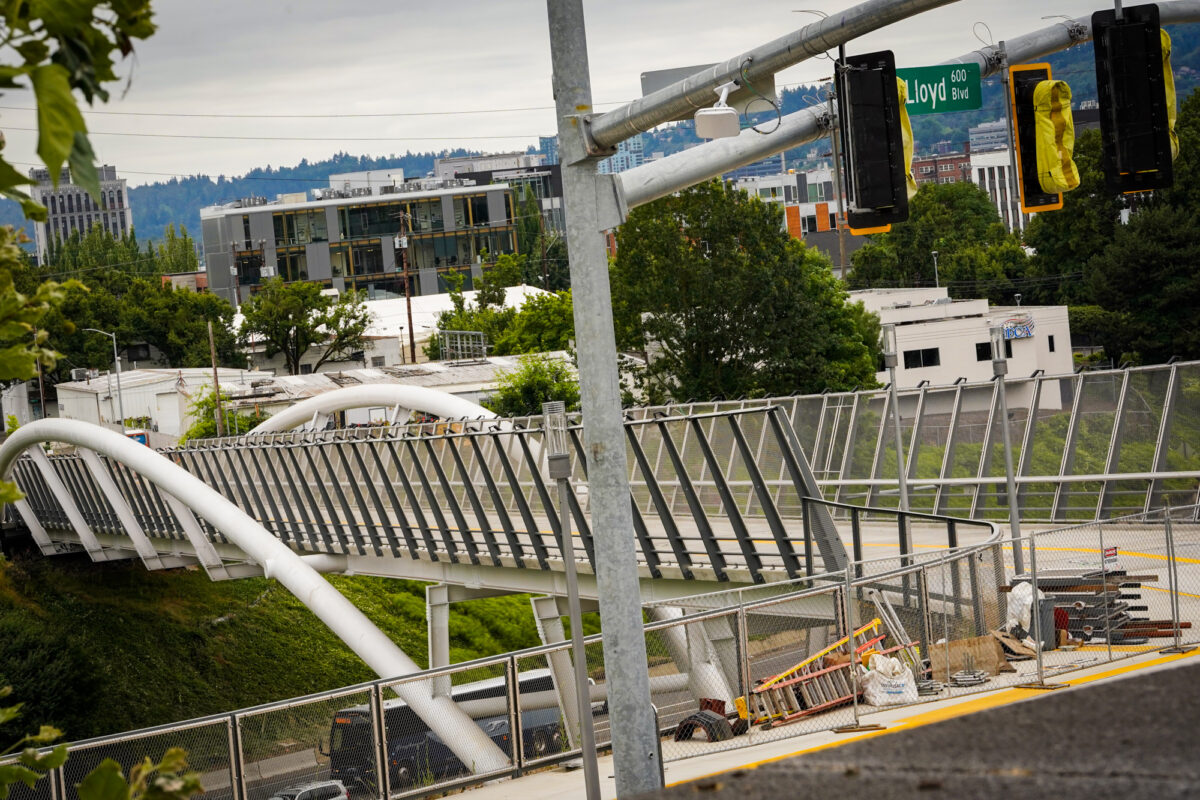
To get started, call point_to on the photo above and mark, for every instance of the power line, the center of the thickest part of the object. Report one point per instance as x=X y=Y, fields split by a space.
x=381 y=115
x=297 y=138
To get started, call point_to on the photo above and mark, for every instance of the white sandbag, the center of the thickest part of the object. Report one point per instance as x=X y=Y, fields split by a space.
x=889 y=682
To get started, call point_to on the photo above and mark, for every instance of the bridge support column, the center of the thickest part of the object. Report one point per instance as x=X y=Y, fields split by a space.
x=548 y=616
x=693 y=652
x=437 y=616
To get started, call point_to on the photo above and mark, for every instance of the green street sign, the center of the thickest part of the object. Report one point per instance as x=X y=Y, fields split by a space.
x=942 y=89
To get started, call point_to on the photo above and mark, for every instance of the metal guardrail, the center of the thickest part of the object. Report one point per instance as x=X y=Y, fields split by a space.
x=715 y=496
x=945 y=601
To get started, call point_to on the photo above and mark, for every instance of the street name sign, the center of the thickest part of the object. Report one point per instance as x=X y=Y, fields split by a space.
x=942 y=89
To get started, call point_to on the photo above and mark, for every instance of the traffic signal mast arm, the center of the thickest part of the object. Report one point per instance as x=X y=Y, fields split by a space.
x=680 y=99
x=668 y=175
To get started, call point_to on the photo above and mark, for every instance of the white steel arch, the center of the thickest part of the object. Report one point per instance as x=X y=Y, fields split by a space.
x=397 y=395
x=468 y=742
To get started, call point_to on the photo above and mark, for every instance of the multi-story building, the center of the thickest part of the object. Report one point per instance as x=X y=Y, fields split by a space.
x=548 y=147
x=630 y=153
x=446 y=168
x=942 y=167
x=940 y=341
x=70 y=208
x=989 y=136
x=544 y=182
x=990 y=172
x=357 y=238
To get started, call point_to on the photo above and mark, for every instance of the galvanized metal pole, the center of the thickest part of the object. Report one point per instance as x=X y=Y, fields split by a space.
x=587 y=733
x=1173 y=576
x=635 y=745
x=1013 y=206
x=1035 y=616
x=999 y=370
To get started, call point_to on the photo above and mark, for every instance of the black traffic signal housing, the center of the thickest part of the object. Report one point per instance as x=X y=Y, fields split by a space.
x=1131 y=85
x=1024 y=79
x=872 y=143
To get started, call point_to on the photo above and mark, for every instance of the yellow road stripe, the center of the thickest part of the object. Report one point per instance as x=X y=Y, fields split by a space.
x=999 y=698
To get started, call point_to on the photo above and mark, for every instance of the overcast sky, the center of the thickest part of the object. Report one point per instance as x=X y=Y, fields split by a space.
x=387 y=57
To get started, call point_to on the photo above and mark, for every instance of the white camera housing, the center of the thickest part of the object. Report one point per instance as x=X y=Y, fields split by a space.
x=720 y=121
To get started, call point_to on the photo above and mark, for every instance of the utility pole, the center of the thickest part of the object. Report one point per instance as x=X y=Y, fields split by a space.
x=636 y=747
x=837 y=176
x=542 y=242
x=212 y=352
x=402 y=246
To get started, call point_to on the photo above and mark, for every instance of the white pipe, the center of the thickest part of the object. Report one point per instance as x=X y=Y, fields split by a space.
x=690 y=647
x=468 y=742
x=420 y=398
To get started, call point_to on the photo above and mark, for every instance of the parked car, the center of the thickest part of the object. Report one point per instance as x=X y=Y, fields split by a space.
x=314 y=790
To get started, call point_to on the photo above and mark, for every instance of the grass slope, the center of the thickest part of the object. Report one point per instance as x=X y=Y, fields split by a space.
x=101 y=648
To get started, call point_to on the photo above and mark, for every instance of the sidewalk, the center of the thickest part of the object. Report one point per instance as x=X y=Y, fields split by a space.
x=560 y=783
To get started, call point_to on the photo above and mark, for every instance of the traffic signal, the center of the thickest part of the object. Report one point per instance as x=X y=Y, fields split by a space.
x=1137 y=99
x=1044 y=134
x=870 y=120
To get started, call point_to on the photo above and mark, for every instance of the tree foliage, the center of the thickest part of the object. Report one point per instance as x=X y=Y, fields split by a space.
x=1067 y=239
x=726 y=303
x=203 y=410
x=539 y=379
x=977 y=257
x=1149 y=274
x=544 y=322
x=125 y=294
x=56 y=49
x=293 y=318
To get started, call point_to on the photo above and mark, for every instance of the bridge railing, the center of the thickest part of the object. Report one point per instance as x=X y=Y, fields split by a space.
x=1110 y=590
x=720 y=496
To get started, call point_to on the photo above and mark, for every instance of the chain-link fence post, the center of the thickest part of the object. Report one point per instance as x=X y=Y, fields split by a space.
x=851 y=646
x=743 y=639
x=1173 y=578
x=1035 y=617
x=1104 y=592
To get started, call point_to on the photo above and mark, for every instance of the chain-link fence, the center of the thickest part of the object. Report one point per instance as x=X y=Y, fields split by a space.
x=727 y=669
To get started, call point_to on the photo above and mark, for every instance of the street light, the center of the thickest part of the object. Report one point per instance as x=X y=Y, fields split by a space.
x=936 y=283
x=117 y=362
x=999 y=370
x=554 y=417
x=888 y=345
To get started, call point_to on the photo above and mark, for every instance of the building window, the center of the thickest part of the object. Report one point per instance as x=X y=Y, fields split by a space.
x=983 y=351
x=377 y=361
x=1008 y=348
x=1050 y=339
x=929 y=357
x=306 y=369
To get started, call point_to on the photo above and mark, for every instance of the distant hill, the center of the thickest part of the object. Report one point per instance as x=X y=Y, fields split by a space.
x=179 y=200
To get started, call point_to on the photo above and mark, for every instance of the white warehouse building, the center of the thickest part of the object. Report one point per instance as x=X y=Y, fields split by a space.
x=940 y=341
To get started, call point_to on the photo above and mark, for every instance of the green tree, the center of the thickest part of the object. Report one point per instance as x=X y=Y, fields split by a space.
x=292 y=318
x=177 y=253
x=1149 y=274
x=545 y=322
x=726 y=303
x=57 y=49
x=490 y=319
x=538 y=379
x=958 y=221
x=1065 y=240
x=203 y=409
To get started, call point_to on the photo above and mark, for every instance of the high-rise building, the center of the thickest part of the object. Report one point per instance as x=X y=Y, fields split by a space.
x=989 y=136
x=71 y=208
x=359 y=237
x=548 y=146
x=630 y=153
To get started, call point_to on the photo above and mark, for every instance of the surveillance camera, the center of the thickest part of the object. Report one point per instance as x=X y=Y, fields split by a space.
x=720 y=121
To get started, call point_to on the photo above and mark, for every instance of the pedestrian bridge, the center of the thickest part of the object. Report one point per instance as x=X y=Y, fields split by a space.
x=736 y=492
